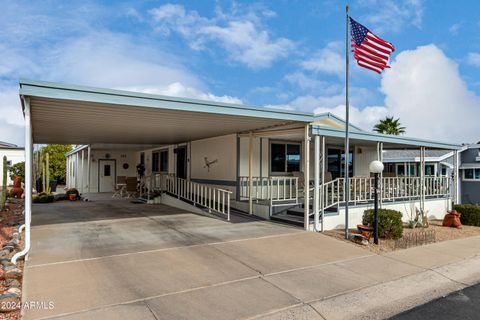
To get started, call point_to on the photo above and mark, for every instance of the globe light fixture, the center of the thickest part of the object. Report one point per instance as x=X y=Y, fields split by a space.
x=376 y=167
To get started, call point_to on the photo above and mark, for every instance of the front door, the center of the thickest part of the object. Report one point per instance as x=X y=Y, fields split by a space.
x=181 y=167
x=106 y=175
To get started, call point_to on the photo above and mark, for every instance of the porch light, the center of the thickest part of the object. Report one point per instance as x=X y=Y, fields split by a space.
x=376 y=167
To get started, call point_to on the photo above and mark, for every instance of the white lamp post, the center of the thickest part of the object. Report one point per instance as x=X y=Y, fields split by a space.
x=376 y=167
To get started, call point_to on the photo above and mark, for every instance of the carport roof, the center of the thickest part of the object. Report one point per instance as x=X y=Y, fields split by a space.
x=82 y=115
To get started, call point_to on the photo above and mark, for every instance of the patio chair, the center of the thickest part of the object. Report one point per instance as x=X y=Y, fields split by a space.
x=119 y=187
x=131 y=187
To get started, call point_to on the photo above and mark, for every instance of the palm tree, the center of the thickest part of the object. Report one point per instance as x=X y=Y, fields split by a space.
x=389 y=126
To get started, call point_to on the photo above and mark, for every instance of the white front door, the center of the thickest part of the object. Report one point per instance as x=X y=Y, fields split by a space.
x=106 y=175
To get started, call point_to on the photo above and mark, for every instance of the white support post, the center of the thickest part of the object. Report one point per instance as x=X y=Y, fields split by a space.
x=28 y=179
x=380 y=158
x=422 y=178
x=76 y=170
x=323 y=170
x=88 y=167
x=250 y=173
x=306 y=170
x=82 y=183
x=455 y=193
x=317 y=181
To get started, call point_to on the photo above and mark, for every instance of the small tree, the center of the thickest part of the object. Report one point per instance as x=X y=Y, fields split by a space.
x=18 y=169
x=389 y=125
x=57 y=161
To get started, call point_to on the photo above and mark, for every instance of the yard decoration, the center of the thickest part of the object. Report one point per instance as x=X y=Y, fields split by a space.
x=421 y=217
x=4 y=184
x=452 y=219
x=17 y=189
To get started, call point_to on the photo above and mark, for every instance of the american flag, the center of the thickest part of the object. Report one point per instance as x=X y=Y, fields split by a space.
x=370 y=51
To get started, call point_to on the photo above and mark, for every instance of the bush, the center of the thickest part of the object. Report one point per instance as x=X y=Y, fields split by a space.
x=43 y=198
x=389 y=222
x=470 y=214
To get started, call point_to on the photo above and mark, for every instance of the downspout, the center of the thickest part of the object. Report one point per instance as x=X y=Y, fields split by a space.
x=28 y=179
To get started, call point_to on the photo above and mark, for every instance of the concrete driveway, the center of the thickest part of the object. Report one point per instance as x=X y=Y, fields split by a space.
x=114 y=259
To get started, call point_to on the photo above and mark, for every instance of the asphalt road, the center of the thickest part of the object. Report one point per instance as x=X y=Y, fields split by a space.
x=463 y=304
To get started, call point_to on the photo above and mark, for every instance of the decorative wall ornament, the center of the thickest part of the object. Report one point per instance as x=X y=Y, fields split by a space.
x=209 y=163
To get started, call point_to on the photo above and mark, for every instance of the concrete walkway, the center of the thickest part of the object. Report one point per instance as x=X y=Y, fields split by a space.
x=114 y=259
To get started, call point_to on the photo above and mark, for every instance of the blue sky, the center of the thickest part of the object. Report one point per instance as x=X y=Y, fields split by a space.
x=284 y=54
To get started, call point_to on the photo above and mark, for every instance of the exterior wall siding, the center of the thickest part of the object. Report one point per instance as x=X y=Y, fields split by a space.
x=13 y=155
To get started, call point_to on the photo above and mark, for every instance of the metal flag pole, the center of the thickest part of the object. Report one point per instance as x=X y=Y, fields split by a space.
x=346 y=188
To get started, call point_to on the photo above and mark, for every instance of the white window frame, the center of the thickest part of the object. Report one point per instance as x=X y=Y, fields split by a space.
x=467 y=179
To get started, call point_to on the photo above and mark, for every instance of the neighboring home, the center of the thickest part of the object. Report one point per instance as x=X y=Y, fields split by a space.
x=469 y=177
x=212 y=156
x=400 y=163
x=14 y=153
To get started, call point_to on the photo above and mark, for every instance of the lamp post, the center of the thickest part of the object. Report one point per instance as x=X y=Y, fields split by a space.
x=376 y=167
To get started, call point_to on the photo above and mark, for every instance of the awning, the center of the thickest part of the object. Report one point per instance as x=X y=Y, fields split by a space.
x=85 y=115
x=470 y=165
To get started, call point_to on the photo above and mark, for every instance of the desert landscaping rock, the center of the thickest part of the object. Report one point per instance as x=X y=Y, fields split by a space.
x=12 y=283
x=9 y=302
x=7 y=268
x=13 y=273
x=14 y=290
x=4 y=253
x=9 y=248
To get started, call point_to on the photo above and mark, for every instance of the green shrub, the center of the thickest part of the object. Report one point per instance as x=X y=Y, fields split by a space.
x=389 y=222
x=43 y=198
x=470 y=214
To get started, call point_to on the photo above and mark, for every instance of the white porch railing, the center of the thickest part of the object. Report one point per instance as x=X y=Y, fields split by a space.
x=214 y=199
x=273 y=189
x=392 y=188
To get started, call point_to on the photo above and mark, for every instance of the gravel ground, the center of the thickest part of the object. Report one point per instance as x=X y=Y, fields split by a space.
x=12 y=215
x=385 y=245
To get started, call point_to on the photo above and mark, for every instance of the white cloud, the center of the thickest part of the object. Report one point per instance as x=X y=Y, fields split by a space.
x=454 y=29
x=177 y=89
x=473 y=58
x=424 y=88
x=308 y=83
x=243 y=37
x=329 y=60
x=392 y=15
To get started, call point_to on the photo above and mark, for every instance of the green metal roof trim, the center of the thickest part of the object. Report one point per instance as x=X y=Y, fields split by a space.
x=371 y=136
x=109 y=96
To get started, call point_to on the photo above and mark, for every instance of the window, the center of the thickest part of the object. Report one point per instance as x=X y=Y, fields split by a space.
x=471 y=174
x=284 y=157
x=401 y=170
x=336 y=163
x=106 y=170
x=444 y=171
x=429 y=169
x=160 y=161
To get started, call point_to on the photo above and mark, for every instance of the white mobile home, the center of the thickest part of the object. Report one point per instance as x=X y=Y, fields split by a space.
x=212 y=156
x=14 y=155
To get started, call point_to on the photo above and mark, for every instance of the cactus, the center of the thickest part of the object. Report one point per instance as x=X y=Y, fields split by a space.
x=4 y=184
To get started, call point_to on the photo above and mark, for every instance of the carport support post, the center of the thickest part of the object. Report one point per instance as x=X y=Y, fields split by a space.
x=88 y=168
x=28 y=178
x=316 y=178
x=250 y=177
x=76 y=171
x=380 y=158
x=455 y=192
x=82 y=183
x=306 y=170
x=323 y=168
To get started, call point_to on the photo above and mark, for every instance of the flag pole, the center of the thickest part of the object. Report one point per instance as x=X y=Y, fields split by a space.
x=346 y=188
